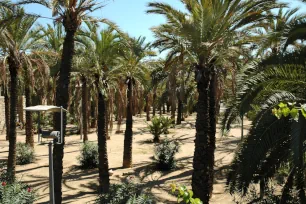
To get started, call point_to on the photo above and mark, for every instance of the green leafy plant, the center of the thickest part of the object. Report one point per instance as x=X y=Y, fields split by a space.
x=184 y=195
x=126 y=193
x=141 y=199
x=289 y=109
x=24 y=154
x=165 y=154
x=89 y=157
x=158 y=126
x=16 y=193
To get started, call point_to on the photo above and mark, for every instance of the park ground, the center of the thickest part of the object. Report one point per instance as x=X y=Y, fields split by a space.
x=79 y=186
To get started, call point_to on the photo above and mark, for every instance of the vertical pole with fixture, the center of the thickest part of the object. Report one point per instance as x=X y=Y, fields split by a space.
x=38 y=127
x=62 y=126
x=51 y=175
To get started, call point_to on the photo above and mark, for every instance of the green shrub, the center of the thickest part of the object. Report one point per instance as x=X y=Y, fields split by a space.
x=16 y=193
x=89 y=157
x=128 y=193
x=184 y=195
x=24 y=154
x=141 y=199
x=158 y=126
x=165 y=154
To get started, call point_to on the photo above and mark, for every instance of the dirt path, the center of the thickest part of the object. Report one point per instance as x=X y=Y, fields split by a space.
x=79 y=185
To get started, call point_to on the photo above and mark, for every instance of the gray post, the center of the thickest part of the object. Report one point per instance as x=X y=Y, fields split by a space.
x=38 y=127
x=51 y=176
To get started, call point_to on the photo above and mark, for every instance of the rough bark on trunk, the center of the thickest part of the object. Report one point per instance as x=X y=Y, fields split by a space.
x=107 y=120
x=7 y=112
x=20 y=106
x=154 y=102
x=14 y=66
x=179 y=112
x=202 y=160
x=84 y=108
x=213 y=122
x=93 y=114
x=62 y=98
x=128 y=135
x=29 y=120
x=102 y=144
x=148 y=108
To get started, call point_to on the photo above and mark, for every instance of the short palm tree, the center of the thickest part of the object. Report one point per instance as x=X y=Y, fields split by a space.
x=209 y=30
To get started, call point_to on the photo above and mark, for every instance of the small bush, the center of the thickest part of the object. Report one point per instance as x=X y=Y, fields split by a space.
x=184 y=195
x=14 y=191
x=158 y=126
x=124 y=194
x=25 y=154
x=89 y=157
x=165 y=154
x=17 y=193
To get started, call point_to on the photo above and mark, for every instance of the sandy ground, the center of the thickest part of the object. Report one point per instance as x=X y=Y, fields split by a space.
x=79 y=186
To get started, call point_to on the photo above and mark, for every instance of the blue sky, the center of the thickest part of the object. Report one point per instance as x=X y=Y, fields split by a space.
x=130 y=14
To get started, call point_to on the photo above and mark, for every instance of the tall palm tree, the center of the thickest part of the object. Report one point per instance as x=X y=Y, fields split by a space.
x=17 y=41
x=103 y=46
x=131 y=69
x=209 y=29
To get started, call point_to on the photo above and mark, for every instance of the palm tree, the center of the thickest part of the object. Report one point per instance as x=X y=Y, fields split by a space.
x=132 y=70
x=104 y=46
x=17 y=44
x=209 y=30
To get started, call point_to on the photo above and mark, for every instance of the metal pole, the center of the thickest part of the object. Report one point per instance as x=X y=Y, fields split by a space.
x=51 y=176
x=61 y=125
x=38 y=127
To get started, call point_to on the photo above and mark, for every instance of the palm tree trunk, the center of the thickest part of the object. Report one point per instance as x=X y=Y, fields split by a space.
x=128 y=135
x=102 y=144
x=154 y=102
x=148 y=108
x=202 y=168
x=212 y=133
x=29 y=120
x=107 y=120
x=93 y=113
x=84 y=108
x=62 y=98
x=164 y=110
x=7 y=112
x=20 y=107
x=179 y=112
x=298 y=137
x=173 y=108
x=11 y=163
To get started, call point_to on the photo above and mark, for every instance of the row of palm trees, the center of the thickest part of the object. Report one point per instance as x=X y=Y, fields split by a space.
x=207 y=45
